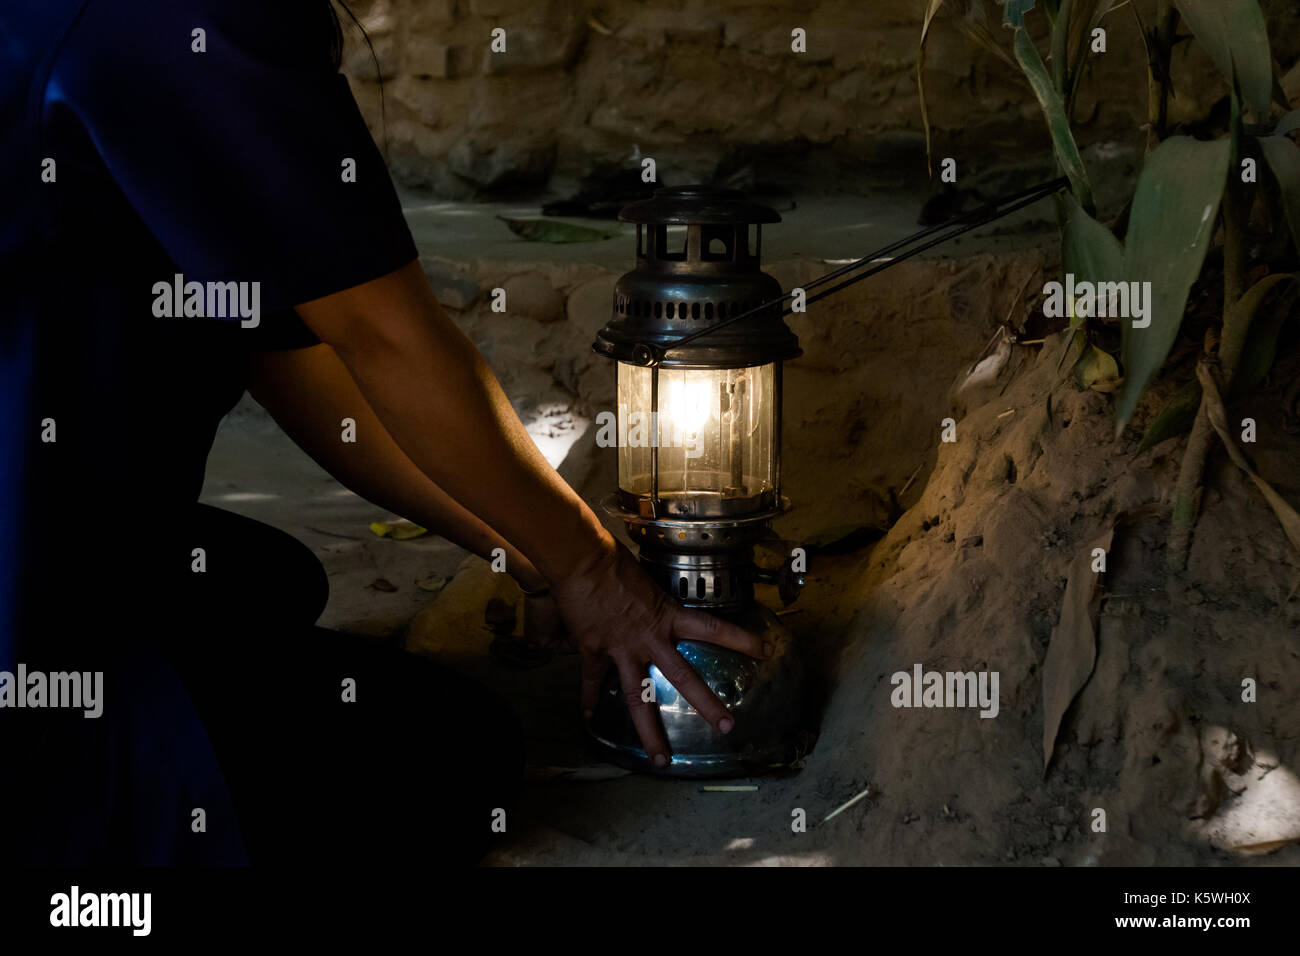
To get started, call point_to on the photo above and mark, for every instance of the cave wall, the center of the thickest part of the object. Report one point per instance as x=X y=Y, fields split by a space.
x=709 y=87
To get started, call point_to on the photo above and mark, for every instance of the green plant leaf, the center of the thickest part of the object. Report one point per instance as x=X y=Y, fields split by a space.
x=1233 y=32
x=1086 y=21
x=1284 y=159
x=1067 y=152
x=553 y=230
x=1176 y=416
x=1013 y=14
x=1088 y=250
x=1169 y=229
x=1260 y=347
x=1058 y=41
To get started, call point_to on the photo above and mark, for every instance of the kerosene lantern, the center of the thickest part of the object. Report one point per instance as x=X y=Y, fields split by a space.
x=699 y=469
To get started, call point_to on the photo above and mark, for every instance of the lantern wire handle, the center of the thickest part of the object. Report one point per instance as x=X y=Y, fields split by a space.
x=649 y=355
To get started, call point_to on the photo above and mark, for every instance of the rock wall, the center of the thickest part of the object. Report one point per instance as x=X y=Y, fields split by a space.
x=711 y=88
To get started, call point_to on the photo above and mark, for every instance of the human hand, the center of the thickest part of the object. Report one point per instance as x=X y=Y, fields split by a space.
x=617 y=616
x=543 y=624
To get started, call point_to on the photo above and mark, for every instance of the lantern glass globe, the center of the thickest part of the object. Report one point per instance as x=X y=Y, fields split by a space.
x=713 y=432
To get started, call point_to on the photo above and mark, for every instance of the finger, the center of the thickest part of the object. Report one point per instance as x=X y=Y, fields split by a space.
x=699 y=626
x=691 y=686
x=594 y=669
x=645 y=716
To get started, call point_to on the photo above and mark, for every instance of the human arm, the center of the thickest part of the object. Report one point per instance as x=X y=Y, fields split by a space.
x=443 y=407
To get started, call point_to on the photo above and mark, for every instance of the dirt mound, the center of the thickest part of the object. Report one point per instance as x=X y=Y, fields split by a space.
x=969 y=576
x=972 y=578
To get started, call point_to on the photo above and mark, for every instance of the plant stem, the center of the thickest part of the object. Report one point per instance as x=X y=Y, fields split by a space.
x=1160 y=47
x=1187 y=493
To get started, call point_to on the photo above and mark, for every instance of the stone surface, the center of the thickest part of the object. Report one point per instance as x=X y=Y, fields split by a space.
x=700 y=85
x=532 y=295
x=452 y=290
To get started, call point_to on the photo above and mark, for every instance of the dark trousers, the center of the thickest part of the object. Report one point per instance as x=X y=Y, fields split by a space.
x=300 y=745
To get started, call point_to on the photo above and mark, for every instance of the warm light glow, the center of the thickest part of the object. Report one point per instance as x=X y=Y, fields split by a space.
x=714 y=432
x=688 y=403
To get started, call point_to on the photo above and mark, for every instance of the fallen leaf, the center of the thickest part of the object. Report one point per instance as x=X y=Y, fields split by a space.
x=551 y=230
x=400 y=530
x=1096 y=369
x=1218 y=418
x=1072 y=653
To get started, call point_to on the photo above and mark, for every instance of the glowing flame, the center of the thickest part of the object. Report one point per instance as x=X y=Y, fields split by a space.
x=688 y=404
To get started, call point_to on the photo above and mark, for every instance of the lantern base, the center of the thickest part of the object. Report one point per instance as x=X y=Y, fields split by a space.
x=768 y=700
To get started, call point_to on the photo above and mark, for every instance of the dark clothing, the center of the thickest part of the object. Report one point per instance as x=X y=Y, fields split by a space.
x=223 y=166
x=407 y=772
x=212 y=140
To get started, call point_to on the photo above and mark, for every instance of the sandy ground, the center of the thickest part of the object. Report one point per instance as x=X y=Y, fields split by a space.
x=978 y=541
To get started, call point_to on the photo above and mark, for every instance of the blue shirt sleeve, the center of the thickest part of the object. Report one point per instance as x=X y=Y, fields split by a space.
x=236 y=140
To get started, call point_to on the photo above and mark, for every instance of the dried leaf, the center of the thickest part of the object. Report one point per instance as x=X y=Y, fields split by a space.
x=552 y=230
x=400 y=530
x=1097 y=370
x=931 y=9
x=976 y=29
x=1072 y=653
x=1218 y=418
